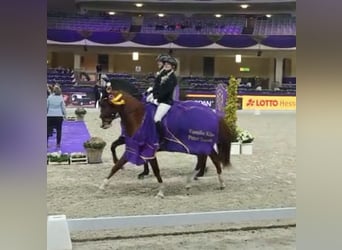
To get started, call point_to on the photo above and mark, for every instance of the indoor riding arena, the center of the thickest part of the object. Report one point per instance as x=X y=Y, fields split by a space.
x=264 y=178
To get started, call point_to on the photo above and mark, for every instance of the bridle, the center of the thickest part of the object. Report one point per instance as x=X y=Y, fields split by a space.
x=117 y=115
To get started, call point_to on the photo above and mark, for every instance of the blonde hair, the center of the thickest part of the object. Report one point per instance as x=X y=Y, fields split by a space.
x=57 y=90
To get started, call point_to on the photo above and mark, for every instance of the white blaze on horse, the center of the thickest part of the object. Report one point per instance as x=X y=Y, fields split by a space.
x=190 y=128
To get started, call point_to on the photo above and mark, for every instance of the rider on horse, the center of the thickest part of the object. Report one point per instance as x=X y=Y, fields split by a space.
x=162 y=92
x=160 y=63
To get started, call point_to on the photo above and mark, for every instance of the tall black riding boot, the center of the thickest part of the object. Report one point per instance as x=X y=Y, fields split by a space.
x=160 y=131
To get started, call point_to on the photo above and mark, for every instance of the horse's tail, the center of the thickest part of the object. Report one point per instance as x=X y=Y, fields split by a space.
x=225 y=139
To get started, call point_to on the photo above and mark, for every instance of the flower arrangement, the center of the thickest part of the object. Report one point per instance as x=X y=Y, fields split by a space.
x=58 y=157
x=94 y=143
x=244 y=136
x=80 y=111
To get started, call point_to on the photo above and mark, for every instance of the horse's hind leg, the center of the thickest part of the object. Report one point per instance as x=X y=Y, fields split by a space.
x=114 y=169
x=156 y=171
x=115 y=144
x=216 y=160
x=145 y=172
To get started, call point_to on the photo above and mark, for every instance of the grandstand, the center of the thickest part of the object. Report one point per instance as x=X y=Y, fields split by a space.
x=204 y=44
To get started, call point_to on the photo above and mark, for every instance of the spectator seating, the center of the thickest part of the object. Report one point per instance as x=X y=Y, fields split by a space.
x=61 y=76
x=275 y=26
x=95 y=22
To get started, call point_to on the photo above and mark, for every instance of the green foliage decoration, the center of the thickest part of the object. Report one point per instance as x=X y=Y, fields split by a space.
x=231 y=106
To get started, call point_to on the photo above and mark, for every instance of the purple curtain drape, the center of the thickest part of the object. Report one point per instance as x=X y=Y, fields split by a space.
x=185 y=40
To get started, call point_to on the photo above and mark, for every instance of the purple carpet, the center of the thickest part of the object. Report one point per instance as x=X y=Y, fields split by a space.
x=74 y=134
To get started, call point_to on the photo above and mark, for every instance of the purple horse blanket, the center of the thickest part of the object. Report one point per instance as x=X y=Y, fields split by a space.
x=189 y=127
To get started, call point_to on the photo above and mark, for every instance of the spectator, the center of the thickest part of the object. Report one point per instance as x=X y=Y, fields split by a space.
x=49 y=89
x=55 y=114
x=97 y=93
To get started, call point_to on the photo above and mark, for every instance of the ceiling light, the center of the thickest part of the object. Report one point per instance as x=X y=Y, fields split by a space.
x=238 y=58
x=111 y=13
x=268 y=15
x=139 y=5
x=135 y=56
x=161 y=15
x=218 y=15
x=244 y=6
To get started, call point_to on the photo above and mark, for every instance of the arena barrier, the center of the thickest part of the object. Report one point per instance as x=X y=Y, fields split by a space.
x=252 y=101
x=59 y=228
x=83 y=96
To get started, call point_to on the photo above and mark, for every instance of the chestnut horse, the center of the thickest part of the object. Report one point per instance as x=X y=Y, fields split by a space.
x=123 y=84
x=134 y=115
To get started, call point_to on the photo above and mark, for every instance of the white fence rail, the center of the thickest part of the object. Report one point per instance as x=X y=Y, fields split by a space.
x=59 y=227
x=235 y=216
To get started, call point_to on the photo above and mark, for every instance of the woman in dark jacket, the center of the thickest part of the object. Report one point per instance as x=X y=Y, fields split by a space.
x=162 y=93
x=161 y=72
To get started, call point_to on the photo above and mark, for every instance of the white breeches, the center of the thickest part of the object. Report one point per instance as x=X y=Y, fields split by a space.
x=161 y=111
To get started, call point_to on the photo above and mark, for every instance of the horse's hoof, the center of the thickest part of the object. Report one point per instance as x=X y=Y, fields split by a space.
x=222 y=187
x=141 y=176
x=199 y=175
x=159 y=195
x=104 y=184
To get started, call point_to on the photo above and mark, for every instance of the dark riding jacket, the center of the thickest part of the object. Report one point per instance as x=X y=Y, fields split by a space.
x=163 y=91
x=157 y=79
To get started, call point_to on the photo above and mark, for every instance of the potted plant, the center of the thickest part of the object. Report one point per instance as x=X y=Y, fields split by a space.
x=80 y=113
x=94 y=147
x=246 y=139
x=230 y=113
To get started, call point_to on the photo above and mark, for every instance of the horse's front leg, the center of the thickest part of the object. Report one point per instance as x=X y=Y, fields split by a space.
x=115 y=144
x=201 y=165
x=195 y=173
x=216 y=160
x=145 y=172
x=155 y=168
x=114 y=169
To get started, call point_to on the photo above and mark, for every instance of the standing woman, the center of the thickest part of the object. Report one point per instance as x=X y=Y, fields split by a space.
x=97 y=93
x=56 y=113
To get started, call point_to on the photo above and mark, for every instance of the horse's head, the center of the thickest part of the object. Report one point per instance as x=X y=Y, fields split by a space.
x=110 y=105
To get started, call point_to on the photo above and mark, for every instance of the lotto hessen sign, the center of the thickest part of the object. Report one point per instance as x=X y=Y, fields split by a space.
x=269 y=103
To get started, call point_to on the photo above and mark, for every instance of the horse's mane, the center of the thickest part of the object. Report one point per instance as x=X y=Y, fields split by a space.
x=126 y=86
